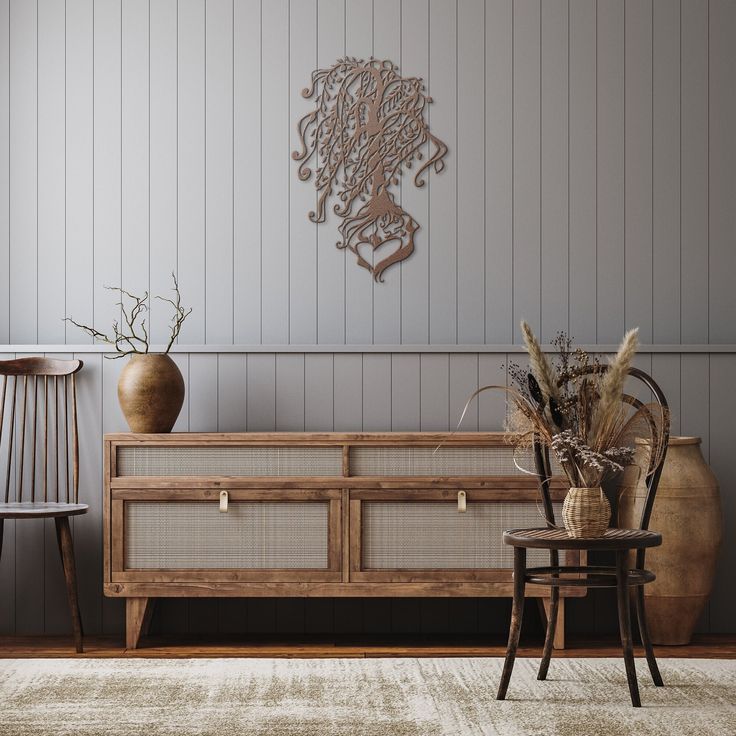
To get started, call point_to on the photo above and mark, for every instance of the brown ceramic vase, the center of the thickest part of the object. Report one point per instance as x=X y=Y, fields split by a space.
x=687 y=512
x=151 y=393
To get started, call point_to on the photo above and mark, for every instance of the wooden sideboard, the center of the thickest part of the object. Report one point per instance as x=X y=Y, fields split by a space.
x=313 y=514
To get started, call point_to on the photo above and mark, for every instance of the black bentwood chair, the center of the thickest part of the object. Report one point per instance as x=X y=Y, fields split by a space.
x=38 y=424
x=621 y=541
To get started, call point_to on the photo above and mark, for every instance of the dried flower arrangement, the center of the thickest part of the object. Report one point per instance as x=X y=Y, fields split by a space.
x=133 y=338
x=577 y=407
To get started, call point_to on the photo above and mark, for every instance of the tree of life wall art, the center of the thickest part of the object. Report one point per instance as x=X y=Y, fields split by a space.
x=366 y=128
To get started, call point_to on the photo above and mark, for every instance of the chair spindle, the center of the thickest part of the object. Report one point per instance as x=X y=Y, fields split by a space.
x=19 y=495
x=10 y=441
x=66 y=436
x=56 y=433
x=2 y=412
x=33 y=454
x=45 y=439
x=75 y=442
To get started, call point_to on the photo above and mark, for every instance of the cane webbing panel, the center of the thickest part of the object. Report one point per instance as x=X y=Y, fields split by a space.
x=250 y=535
x=236 y=460
x=447 y=461
x=419 y=535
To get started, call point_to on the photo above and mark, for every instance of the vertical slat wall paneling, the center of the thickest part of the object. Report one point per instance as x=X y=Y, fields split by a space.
x=582 y=182
x=318 y=402
x=247 y=171
x=666 y=172
x=722 y=607
x=203 y=417
x=387 y=307
x=30 y=554
x=51 y=171
x=527 y=162
x=182 y=421
x=88 y=528
x=107 y=160
x=56 y=618
x=666 y=372
x=463 y=382
x=348 y=392
x=79 y=216
x=22 y=263
x=499 y=138
x=7 y=554
x=113 y=609
x=434 y=383
x=275 y=172
x=377 y=389
x=492 y=403
x=5 y=173
x=231 y=392
x=554 y=168
x=638 y=166
x=261 y=392
x=695 y=410
x=135 y=147
x=358 y=281
x=609 y=274
x=442 y=223
x=722 y=165
x=163 y=221
x=415 y=200
x=470 y=173
x=220 y=279
x=694 y=172
x=331 y=264
x=191 y=166
x=302 y=195
x=406 y=385
x=290 y=392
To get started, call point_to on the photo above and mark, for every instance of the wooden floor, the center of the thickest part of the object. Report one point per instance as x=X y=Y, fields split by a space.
x=711 y=646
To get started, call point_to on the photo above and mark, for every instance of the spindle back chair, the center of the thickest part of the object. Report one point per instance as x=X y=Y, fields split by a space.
x=39 y=445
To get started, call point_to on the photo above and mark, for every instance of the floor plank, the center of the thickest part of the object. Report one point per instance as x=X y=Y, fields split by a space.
x=703 y=646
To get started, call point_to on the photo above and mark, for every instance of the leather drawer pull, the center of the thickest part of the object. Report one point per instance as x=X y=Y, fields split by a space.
x=461 y=502
x=223 y=501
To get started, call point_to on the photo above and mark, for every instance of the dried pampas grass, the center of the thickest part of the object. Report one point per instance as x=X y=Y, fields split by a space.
x=540 y=365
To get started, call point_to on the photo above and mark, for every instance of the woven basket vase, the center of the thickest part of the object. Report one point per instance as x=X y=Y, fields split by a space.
x=586 y=512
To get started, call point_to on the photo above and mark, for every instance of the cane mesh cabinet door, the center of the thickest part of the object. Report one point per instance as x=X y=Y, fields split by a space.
x=189 y=538
x=412 y=536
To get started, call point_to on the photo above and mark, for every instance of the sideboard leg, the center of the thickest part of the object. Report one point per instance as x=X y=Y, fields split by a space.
x=559 y=640
x=137 y=617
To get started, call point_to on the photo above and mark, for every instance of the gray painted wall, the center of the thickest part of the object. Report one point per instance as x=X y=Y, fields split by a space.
x=590 y=186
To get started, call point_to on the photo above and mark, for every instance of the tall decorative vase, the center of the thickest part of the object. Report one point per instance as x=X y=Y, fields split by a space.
x=151 y=393
x=586 y=512
x=687 y=512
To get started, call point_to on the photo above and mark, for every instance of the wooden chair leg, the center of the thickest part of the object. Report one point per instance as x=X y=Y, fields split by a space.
x=645 y=640
x=517 y=612
x=2 y=522
x=549 y=639
x=66 y=548
x=624 y=622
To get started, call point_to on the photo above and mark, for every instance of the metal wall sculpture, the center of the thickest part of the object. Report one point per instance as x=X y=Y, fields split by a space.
x=367 y=127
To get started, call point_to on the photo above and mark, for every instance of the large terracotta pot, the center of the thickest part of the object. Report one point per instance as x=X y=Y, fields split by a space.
x=151 y=392
x=687 y=512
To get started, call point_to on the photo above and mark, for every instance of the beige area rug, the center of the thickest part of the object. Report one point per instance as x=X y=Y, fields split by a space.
x=359 y=697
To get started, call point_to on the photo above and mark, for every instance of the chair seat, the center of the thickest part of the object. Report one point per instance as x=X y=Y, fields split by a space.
x=41 y=510
x=558 y=538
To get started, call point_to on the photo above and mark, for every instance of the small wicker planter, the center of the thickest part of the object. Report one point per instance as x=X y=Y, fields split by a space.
x=586 y=512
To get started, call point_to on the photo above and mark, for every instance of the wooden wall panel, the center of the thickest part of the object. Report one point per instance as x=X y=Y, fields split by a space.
x=610 y=205
x=5 y=171
x=51 y=168
x=23 y=168
x=79 y=153
x=163 y=221
x=219 y=197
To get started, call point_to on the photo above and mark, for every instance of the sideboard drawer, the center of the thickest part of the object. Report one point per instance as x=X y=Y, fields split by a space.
x=429 y=538
x=176 y=539
x=228 y=460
